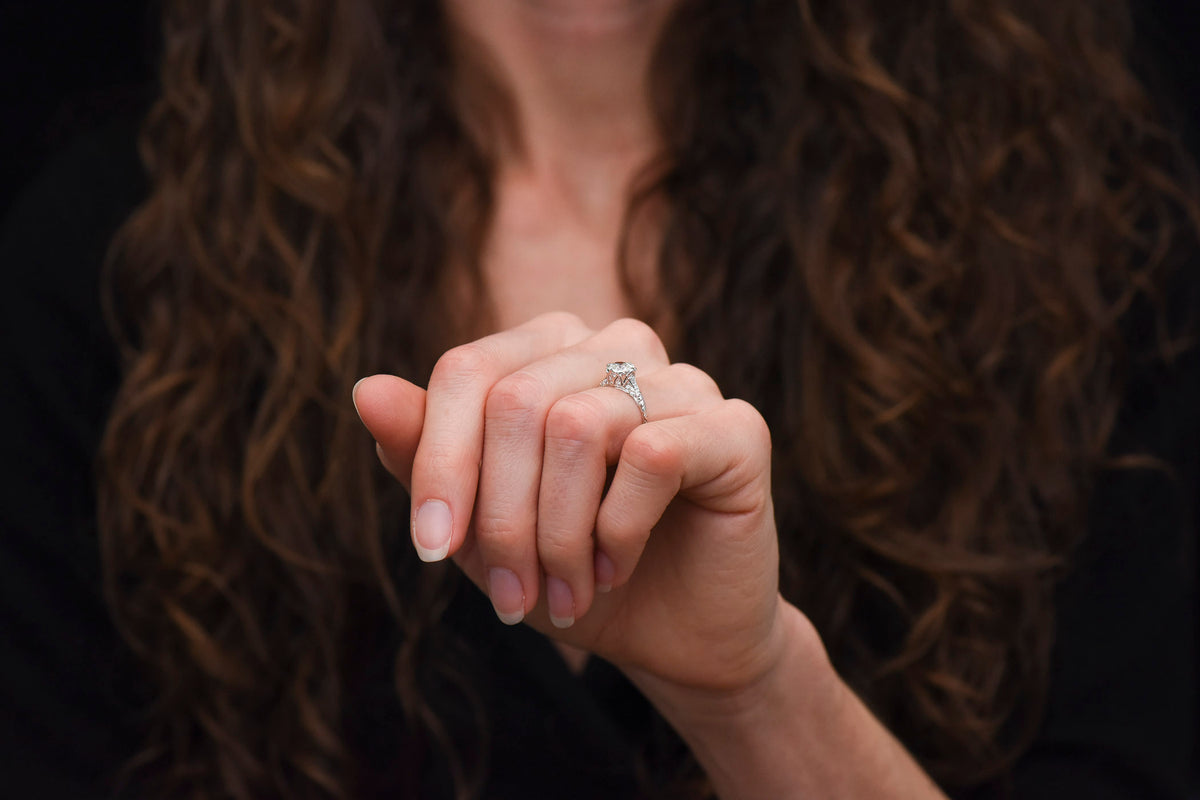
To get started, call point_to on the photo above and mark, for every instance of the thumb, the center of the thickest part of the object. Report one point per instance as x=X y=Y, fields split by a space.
x=393 y=410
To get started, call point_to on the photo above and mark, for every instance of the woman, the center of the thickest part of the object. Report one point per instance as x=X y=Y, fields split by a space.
x=909 y=239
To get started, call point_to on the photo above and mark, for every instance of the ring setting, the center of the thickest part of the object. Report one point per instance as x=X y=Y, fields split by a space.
x=623 y=375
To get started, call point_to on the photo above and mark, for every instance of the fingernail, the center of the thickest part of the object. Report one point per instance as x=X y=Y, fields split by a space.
x=561 y=602
x=354 y=396
x=382 y=456
x=606 y=572
x=431 y=530
x=508 y=598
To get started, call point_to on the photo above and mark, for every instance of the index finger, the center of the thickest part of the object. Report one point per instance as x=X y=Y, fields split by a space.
x=445 y=472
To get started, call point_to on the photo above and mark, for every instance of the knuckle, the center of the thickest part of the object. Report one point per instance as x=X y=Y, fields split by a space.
x=575 y=421
x=652 y=451
x=614 y=528
x=441 y=460
x=465 y=364
x=497 y=531
x=516 y=397
x=747 y=418
x=694 y=380
x=755 y=437
x=559 y=551
x=562 y=321
x=635 y=330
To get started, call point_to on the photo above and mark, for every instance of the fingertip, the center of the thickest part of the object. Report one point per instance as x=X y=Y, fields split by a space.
x=560 y=602
x=372 y=381
x=507 y=595
x=606 y=572
x=432 y=530
x=388 y=406
x=367 y=399
x=371 y=391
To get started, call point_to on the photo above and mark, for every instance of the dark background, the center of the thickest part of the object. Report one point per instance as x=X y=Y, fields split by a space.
x=67 y=68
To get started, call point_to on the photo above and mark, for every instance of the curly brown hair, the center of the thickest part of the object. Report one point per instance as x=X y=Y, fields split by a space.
x=925 y=220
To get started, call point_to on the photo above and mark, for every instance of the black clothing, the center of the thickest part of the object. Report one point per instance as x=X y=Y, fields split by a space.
x=1118 y=723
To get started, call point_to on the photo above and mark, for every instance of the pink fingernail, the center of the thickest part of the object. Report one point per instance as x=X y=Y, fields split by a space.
x=561 y=602
x=606 y=572
x=431 y=530
x=508 y=598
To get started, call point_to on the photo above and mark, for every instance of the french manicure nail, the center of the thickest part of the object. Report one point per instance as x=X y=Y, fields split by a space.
x=561 y=602
x=508 y=598
x=606 y=572
x=431 y=530
x=354 y=396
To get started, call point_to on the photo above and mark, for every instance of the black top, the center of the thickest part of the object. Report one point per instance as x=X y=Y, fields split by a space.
x=1119 y=722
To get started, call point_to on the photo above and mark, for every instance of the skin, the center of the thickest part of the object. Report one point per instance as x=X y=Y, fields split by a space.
x=672 y=573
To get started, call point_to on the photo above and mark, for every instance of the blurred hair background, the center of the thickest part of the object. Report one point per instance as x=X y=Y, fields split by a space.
x=68 y=67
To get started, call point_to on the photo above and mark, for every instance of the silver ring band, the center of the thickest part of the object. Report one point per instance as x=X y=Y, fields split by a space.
x=622 y=375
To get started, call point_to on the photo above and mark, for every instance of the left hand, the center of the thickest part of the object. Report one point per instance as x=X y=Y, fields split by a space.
x=673 y=571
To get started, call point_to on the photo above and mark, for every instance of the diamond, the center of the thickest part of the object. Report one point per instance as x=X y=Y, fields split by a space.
x=621 y=375
x=620 y=372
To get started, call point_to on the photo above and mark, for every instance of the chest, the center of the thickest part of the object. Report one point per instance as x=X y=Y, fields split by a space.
x=542 y=254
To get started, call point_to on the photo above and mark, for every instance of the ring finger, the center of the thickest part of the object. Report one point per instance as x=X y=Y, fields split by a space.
x=516 y=410
x=584 y=435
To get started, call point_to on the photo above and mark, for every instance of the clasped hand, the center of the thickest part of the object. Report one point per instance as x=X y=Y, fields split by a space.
x=672 y=568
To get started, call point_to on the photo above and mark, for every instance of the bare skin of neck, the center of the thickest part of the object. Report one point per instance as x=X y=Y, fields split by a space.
x=574 y=76
x=573 y=73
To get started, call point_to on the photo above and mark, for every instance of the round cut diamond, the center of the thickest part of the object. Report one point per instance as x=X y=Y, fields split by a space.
x=621 y=375
x=619 y=372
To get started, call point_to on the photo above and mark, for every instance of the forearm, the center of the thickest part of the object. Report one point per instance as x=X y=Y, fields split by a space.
x=800 y=732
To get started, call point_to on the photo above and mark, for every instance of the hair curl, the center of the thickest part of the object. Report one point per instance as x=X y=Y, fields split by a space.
x=925 y=221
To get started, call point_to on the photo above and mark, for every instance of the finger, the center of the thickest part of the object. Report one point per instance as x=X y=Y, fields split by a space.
x=445 y=471
x=584 y=434
x=506 y=505
x=718 y=459
x=393 y=411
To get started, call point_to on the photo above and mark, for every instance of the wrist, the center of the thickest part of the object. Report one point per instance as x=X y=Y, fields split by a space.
x=794 y=655
x=795 y=731
x=795 y=696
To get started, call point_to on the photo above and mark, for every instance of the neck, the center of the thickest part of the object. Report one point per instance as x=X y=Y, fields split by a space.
x=572 y=74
